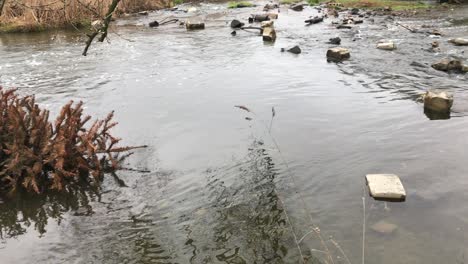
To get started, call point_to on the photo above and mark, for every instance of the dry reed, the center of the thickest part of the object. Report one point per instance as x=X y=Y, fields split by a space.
x=30 y=15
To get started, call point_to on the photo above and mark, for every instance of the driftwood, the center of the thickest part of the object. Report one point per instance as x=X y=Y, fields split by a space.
x=408 y=28
x=103 y=29
x=247 y=28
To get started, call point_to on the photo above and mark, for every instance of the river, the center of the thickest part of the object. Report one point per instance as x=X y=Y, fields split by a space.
x=222 y=188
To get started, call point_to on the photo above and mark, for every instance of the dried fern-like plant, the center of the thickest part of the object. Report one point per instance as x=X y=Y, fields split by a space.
x=37 y=155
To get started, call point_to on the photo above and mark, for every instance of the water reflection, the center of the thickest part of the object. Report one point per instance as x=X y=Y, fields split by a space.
x=24 y=210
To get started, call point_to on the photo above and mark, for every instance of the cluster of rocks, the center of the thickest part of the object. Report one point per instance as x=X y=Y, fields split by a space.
x=450 y=65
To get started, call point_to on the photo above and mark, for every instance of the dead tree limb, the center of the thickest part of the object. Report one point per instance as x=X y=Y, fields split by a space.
x=103 y=29
x=2 y=3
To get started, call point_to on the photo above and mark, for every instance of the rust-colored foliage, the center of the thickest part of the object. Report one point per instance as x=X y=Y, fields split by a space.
x=37 y=155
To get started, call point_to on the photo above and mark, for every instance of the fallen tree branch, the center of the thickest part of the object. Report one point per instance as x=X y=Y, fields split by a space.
x=2 y=3
x=406 y=27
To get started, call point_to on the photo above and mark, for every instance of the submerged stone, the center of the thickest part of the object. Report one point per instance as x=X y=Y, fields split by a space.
x=384 y=227
x=438 y=101
x=335 y=41
x=386 y=187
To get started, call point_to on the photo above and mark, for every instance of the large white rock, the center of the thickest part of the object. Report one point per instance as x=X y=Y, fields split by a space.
x=438 y=101
x=386 y=187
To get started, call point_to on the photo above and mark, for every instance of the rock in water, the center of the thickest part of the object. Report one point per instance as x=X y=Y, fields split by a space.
x=335 y=41
x=338 y=54
x=272 y=16
x=459 y=41
x=385 y=187
x=233 y=33
x=386 y=46
x=270 y=6
x=192 y=25
x=297 y=7
x=154 y=24
x=143 y=13
x=448 y=65
x=236 y=24
x=384 y=227
x=438 y=101
x=295 y=50
x=266 y=24
x=314 y=20
x=269 y=34
x=259 y=18
x=355 y=11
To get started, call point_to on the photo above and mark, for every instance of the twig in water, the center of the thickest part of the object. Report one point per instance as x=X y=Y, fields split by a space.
x=363 y=228
x=273 y=113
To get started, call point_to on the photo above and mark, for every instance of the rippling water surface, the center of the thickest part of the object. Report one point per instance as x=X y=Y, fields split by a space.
x=221 y=188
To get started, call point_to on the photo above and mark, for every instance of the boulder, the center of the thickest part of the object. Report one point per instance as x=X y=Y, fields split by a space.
x=448 y=65
x=266 y=24
x=154 y=24
x=338 y=54
x=335 y=41
x=384 y=227
x=385 y=187
x=236 y=24
x=272 y=15
x=438 y=101
x=269 y=34
x=295 y=50
x=386 y=45
x=194 y=24
x=297 y=7
x=459 y=41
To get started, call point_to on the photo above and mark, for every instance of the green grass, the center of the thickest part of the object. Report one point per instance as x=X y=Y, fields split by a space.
x=178 y=2
x=239 y=4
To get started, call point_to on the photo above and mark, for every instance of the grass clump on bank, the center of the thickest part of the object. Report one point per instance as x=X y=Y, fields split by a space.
x=38 y=156
x=240 y=4
x=38 y=15
x=289 y=2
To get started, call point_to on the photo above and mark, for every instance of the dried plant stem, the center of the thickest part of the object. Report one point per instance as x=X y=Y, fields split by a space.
x=363 y=228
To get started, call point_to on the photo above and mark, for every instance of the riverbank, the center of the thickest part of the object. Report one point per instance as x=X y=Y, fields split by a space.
x=40 y=15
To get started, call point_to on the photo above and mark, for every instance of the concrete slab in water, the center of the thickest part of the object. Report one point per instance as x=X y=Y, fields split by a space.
x=386 y=187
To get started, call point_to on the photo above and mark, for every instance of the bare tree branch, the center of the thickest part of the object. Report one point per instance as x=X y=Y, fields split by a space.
x=2 y=3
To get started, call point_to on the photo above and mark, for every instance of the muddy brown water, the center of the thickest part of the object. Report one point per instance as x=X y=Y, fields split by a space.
x=219 y=189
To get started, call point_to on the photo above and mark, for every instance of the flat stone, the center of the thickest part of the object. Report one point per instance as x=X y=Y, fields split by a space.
x=448 y=65
x=386 y=187
x=384 y=227
x=459 y=41
x=295 y=50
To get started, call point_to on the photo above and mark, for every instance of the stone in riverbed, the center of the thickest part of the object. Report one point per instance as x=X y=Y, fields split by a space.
x=384 y=227
x=269 y=34
x=259 y=18
x=297 y=7
x=154 y=24
x=335 y=41
x=266 y=24
x=338 y=54
x=459 y=41
x=438 y=101
x=385 y=187
x=272 y=15
x=236 y=24
x=448 y=65
x=386 y=46
x=295 y=50
x=270 y=6
x=194 y=24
